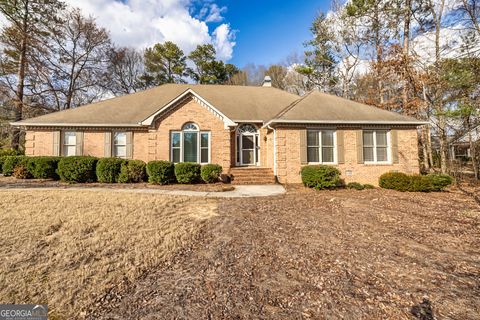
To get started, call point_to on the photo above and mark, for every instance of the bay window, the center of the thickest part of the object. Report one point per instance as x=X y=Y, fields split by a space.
x=321 y=146
x=376 y=146
x=190 y=145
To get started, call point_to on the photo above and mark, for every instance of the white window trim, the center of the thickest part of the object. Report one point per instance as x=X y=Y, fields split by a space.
x=199 y=156
x=335 y=160
x=114 y=153
x=389 y=147
x=68 y=145
x=258 y=147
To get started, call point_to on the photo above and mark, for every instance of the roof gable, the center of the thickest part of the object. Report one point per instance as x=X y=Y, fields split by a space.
x=202 y=102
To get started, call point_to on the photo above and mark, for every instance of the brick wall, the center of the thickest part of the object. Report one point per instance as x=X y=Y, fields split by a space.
x=289 y=165
x=39 y=143
x=191 y=111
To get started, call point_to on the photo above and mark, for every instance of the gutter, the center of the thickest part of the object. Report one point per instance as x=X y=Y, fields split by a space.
x=96 y=125
x=417 y=123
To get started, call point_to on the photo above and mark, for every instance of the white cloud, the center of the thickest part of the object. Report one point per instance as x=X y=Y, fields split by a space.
x=223 y=40
x=142 y=23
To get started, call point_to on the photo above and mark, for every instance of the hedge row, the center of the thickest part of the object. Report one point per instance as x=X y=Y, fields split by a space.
x=415 y=182
x=328 y=177
x=107 y=170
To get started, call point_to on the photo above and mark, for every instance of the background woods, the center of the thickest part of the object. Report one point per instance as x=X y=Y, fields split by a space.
x=418 y=58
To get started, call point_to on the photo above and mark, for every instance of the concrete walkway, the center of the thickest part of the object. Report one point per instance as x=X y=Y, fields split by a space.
x=240 y=191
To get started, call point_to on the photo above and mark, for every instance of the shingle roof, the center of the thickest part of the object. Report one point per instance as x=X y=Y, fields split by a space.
x=325 y=108
x=238 y=103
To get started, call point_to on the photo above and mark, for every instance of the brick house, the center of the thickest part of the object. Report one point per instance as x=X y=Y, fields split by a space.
x=268 y=131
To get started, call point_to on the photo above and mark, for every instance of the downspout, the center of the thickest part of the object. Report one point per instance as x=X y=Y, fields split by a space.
x=274 y=150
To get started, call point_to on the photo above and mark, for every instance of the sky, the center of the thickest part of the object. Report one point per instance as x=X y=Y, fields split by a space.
x=261 y=32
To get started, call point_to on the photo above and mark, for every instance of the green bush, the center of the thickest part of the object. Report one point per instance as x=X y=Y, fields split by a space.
x=187 y=172
x=43 y=167
x=132 y=171
x=77 y=169
x=10 y=152
x=108 y=169
x=415 y=182
x=395 y=180
x=21 y=171
x=211 y=172
x=355 y=185
x=439 y=181
x=161 y=172
x=321 y=177
x=10 y=162
x=368 y=186
x=2 y=159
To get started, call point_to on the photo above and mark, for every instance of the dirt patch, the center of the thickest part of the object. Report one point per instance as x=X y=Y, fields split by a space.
x=66 y=247
x=11 y=182
x=372 y=254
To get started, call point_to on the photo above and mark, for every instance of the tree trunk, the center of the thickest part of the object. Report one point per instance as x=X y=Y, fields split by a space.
x=472 y=151
x=443 y=143
x=425 y=142
x=19 y=93
x=406 y=51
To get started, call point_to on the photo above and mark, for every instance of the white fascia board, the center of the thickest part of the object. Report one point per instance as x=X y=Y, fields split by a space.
x=417 y=123
x=227 y=121
x=59 y=124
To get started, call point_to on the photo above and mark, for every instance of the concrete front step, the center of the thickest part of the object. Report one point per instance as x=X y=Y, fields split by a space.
x=252 y=175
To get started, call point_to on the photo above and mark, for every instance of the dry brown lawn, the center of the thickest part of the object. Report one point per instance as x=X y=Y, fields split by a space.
x=67 y=247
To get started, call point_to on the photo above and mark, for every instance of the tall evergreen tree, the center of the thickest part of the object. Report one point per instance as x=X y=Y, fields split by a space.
x=165 y=63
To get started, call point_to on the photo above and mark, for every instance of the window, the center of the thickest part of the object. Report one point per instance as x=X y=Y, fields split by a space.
x=375 y=146
x=120 y=144
x=69 y=143
x=190 y=145
x=321 y=146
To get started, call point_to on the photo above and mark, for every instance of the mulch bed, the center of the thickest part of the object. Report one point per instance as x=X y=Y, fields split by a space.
x=372 y=254
x=11 y=182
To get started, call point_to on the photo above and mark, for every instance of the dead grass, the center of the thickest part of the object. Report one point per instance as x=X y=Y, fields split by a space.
x=67 y=247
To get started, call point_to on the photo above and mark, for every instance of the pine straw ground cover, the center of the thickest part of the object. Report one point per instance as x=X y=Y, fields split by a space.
x=67 y=247
x=373 y=254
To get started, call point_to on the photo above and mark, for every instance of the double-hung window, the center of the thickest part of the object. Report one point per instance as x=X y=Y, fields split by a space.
x=120 y=144
x=321 y=146
x=190 y=145
x=376 y=146
x=69 y=145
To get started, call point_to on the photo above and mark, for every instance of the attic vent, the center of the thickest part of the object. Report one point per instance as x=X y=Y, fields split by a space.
x=267 y=81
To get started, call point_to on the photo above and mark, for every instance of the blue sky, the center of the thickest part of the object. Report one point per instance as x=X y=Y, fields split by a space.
x=261 y=32
x=268 y=30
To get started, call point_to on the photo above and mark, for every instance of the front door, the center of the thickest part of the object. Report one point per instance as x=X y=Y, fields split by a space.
x=248 y=147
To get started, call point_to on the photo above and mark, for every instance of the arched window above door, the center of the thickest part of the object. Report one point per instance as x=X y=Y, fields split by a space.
x=247 y=128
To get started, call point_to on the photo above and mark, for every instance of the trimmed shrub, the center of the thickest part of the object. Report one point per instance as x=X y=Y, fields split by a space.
x=2 y=159
x=21 y=171
x=210 y=173
x=108 y=169
x=355 y=185
x=43 y=167
x=10 y=162
x=187 y=172
x=321 y=177
x=419 y=183
x=161 y=172
x=368 y=186
x=395 y=180
x=415 y=182
x=77 y=169
x=439 y=181
x=10 y=152
x=132 y=171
